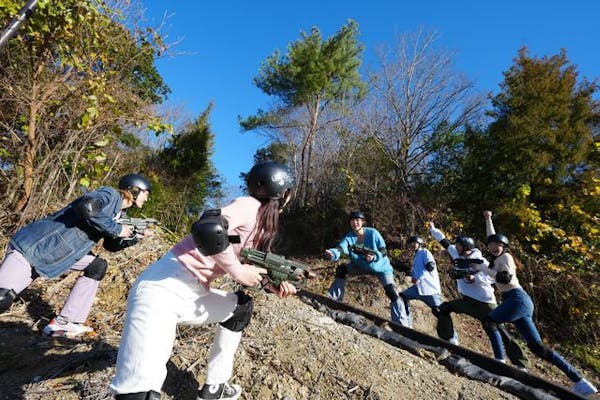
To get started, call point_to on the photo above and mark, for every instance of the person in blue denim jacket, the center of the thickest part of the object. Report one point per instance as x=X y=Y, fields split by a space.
x=368 y=256
x=63 y=241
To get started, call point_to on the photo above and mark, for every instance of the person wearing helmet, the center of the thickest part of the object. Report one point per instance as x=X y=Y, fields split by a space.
x=63 y=241
x=477 y=298
x=517 y=307
x=176 y=290
x=368 y=256
x=425 y=281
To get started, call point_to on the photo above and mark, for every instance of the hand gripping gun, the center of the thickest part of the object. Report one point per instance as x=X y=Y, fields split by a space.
x=462 y=267
x=140 y=225
x=279 y=269
x=363 y=250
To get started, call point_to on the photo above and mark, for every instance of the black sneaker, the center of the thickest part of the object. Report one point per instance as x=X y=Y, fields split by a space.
x=219 y=391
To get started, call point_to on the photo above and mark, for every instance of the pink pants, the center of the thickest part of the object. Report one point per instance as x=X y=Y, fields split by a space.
x=15 y=274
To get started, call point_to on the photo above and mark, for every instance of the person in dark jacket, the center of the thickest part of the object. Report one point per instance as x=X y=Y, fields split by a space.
x=63 y=241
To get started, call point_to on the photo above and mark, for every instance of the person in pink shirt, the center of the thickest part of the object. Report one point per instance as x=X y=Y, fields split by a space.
x=176 y=290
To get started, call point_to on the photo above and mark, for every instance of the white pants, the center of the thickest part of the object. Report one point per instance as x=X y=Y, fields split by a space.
x=164 y=295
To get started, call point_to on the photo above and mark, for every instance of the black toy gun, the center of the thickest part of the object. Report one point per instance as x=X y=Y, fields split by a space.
x=362 y=250
x=465 y=263
x=140 y=225
x=279 y=269
x=461 y=273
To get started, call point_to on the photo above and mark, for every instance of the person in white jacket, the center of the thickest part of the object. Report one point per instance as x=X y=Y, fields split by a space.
x=426 y=281
x=477 y=299
x=176 y=290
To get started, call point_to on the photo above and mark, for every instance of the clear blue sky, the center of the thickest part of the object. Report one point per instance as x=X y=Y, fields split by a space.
x=228 y=40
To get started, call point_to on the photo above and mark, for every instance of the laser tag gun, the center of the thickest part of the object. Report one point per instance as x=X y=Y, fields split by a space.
x=462 y=267
x=140 y=225
x=362 y=250
x=279 y=269
x=465 y=263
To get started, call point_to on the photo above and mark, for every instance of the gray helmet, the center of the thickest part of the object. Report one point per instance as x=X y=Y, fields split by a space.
x=134 y=183
x=466 y=242
x=497 y=237
x=269 y=180
x=417 y=239
x=357 y=214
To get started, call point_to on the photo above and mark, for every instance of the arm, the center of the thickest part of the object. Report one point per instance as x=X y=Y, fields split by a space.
x=335 y=253
x=503 y=270
x=489 y=225
x=101 y=214
x=430 y=264
x=439 y=236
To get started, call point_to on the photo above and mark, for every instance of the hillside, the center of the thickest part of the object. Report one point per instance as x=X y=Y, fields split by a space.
x=289 y=351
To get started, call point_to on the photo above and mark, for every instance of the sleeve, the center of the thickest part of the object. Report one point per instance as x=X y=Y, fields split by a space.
x=504 y=264
x=229 y=262
x=439 y=236
x=430 y=263
x=104 y=221
x=489 y=227
x=379 y=244
x=343 y=247
x=115 y=244
x=237 y=215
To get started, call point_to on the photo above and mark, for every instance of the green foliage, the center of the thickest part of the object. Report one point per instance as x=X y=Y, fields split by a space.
x=188 y=166
x=536 y=165
x=314 y=67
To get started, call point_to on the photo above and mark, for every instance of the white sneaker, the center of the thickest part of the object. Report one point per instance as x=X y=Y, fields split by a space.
x=61 y=327
x=584 y=388
x=454 y=341
x=219 y=391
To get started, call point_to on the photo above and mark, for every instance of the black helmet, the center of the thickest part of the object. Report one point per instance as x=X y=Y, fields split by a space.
x=134 y=183
x=269 y=180
x=466 y=242
x=417 y=239
x=497 y=237
x=357 y=214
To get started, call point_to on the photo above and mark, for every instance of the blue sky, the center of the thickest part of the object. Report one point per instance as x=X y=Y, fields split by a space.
x=226 y=41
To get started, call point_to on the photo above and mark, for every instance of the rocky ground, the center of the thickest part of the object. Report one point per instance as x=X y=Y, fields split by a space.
x=289 y=351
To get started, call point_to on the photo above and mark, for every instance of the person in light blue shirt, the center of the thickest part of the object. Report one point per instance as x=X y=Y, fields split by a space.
x=426 y=281
x=368 y=256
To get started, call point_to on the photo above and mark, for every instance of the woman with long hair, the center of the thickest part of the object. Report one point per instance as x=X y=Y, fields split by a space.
x=517 y=306
x=176 y=290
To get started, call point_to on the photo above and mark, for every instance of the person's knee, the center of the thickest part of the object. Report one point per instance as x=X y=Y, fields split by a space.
x=7 y=296
x=241 y=315
x=96 y=269
x=444 y=309
x=341 y=271
x=390 y=291
x=540 y=350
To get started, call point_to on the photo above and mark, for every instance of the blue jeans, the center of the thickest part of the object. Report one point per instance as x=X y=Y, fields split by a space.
x=517 y=307
x=412 y=293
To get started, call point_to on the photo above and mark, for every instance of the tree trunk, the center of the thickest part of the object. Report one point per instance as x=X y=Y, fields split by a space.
x=29 y=153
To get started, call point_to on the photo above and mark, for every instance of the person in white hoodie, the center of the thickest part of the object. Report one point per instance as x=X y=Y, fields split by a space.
x=426 y=281
x=517 y=306
x=477 y=298
x=176 y=290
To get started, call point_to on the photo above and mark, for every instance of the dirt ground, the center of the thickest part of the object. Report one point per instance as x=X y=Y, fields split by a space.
x=290 y=350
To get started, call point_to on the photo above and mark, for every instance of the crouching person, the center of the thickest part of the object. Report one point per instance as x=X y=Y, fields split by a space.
x=176 y=290
x=368 y=256
x=63 y=242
